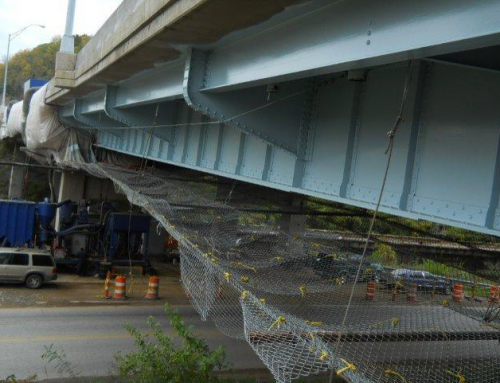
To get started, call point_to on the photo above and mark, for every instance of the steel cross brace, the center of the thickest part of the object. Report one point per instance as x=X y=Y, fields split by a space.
x=143 y=117
x=272 y=113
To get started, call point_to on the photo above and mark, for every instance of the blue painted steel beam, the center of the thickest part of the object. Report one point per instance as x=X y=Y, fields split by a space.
x=322 y=37
x=265 y=106
x=282 y=107
x=164 y=83
x=445 y=164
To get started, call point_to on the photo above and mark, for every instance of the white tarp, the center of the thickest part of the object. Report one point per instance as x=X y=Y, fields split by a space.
x=45 y=135
x=15 y=121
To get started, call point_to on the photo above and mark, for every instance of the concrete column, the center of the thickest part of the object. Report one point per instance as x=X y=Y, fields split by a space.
x=296 y=223
x=17 y=175
x=16 y=182
x=71 y=186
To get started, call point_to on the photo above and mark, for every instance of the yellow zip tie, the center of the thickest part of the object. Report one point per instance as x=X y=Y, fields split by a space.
x=245 y=266
x=390 y=372
x=245 y=279
x=313 y=336
x=324 y=355
x=395 y=322
x=278 y=258
x=338 y=282
x=445 y=303
x=348 y=366
x=303 y=289
x=278 y=322
x=459 y=376
x=244 y=294
x=262 y=300
x=227 y=276
x=314 y=324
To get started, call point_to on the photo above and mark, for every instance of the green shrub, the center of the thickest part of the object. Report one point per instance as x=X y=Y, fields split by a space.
x=384 y=254
x=159 y=360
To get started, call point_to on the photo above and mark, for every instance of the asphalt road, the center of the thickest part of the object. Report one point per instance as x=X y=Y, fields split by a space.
x=91 y=336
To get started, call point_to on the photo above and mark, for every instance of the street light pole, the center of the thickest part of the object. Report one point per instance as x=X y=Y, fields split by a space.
x=12 y=36
x=68 y=40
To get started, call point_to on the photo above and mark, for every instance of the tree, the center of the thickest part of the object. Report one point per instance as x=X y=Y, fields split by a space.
x=38 y=62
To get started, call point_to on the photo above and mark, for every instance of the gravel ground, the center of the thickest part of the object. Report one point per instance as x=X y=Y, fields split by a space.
x=71 y=290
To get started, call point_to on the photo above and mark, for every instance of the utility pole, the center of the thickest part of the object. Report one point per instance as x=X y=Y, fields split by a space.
x=68 y=40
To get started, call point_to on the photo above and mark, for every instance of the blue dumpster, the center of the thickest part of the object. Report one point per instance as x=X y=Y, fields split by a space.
x=17 y=223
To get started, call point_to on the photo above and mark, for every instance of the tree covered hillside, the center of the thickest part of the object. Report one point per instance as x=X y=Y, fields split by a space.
x=38 y=62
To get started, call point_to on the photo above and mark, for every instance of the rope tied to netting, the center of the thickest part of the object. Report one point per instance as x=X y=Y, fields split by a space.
x=142 y=169
x=314 y=323
x=324 y=355
x=281 y=320
x=245 y=266
x=389 y=151
x=303 y=290
x=458 y=375
x=348 y=366
x=396 y=374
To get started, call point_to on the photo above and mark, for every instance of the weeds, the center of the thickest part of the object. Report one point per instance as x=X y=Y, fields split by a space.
x=60 y=359
x=159 y=360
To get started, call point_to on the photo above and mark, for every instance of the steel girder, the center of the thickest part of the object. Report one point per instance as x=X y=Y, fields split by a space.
x=323 y=37
x=234 y=110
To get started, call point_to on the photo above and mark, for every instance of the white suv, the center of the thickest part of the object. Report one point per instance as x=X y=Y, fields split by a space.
x=32 y=267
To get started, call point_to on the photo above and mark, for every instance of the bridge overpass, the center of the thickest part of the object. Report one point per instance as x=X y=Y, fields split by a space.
x=299 y=95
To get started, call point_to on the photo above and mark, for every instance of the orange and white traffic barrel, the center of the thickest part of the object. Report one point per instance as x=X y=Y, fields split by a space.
x=120 y=285
x=494 y=294
x=153 y=288
x=412 y=293
x=395 y=294
x=457 y=295
x=370 y=291
x=106 y=286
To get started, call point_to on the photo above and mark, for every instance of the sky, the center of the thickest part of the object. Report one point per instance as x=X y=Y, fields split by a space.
x=16 y=14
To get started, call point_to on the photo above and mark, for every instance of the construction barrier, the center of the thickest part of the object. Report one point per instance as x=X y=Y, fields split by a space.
x=457 y=295
x=153 y=288
x=120 y=285
x=395 y=294
x=370 y=291
x=494 y=294
x=412 y=293
x=107 y=294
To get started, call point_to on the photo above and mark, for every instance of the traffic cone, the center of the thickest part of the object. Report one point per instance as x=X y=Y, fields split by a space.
x=494 y=295
x=106 y=286
x=120 y=284
x=153 y=288
x=457 y=295
x=412 y=293
x=370 y=291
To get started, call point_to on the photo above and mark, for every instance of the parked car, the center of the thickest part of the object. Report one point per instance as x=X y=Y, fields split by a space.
x=32 y=267
x=424 y=280
x=345 y=269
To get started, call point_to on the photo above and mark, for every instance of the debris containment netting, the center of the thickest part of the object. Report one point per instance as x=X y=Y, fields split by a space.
x=288 y=295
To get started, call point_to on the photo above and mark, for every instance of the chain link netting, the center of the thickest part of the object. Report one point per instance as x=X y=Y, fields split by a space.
x=425 y=318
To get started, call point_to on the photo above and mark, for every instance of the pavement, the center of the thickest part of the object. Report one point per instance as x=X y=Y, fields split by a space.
x=72 y=314
x=91 y=336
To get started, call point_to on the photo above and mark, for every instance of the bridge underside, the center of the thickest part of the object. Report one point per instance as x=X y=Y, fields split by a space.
x=303 y=102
